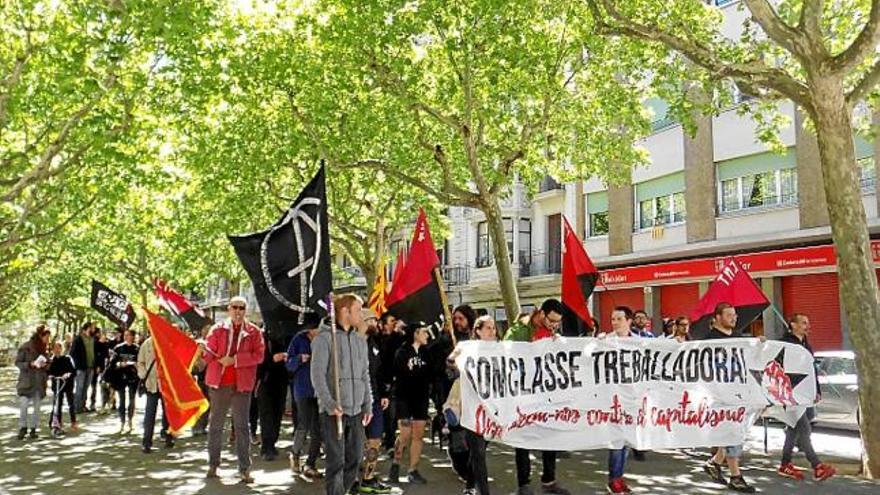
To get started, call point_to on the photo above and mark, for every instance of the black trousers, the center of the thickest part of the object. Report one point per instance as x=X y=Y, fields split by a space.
x=271 y=398
x=477 y=456
x=524 y=467
x=343 y=460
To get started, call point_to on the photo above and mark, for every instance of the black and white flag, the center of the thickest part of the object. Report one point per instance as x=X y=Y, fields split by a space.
x=289 y=263
x=111 y=304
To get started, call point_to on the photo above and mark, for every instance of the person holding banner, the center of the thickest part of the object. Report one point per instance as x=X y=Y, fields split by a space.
x=724 y=327
x=621 y=327
x=342 y=386
x=233 y=350
x=799 y=328
x=542 y=323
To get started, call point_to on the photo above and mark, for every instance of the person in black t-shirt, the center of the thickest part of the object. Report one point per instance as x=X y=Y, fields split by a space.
x=122 y=376
x=411 y=394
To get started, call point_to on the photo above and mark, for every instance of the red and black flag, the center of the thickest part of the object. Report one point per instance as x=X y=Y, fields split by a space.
x=398 y=267
x=113 y=305
x=579 y=277
x=415 y=294
x=180 y=306
x=289 y=263
x=735 y=287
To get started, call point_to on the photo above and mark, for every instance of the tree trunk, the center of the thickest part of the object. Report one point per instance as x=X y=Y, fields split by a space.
x=849 y=229
x=506 y=280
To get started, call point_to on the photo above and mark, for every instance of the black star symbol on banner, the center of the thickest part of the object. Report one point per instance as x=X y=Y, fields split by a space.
x=773 y=368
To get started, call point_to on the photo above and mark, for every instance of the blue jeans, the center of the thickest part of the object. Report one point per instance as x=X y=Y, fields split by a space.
x=83 y=380
x=150 y=410
x=616 y=463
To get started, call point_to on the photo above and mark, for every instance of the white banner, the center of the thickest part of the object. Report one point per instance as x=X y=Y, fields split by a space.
x=584 y=393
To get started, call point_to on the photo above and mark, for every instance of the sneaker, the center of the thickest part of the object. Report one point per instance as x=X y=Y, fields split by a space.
x=554 y=488
x=57 y=432
x=169 y=442
x=525 y=490
x=245 y=477
x=128 y=427
x=22 y=432
x=789 y=471
x=738 y=484
x=146 y=449
x=255 y=440
x=470 y=491
x=713 y=469
x=295 y=463
x=374 y=486
x=309 y=474
x=823 y=471
x=618 y=485
x=416 y=478
x=33 y=434
x=269 y=456
x=394 y=473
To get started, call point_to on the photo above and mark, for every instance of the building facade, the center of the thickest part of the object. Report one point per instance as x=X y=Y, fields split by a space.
x=659 y=239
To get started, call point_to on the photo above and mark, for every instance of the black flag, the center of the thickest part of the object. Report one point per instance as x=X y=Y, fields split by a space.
x=289 y=263
x=111 y=304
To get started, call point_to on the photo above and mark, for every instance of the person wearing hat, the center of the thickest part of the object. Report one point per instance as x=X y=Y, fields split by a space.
x=369 y=483
x=411 y=394
x=233 y=350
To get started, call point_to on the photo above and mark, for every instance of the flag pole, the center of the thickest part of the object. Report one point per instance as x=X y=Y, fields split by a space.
x=447 y=315
x=335 y=355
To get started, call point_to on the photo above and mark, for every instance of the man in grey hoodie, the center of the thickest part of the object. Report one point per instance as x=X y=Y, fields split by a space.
x=354 y=406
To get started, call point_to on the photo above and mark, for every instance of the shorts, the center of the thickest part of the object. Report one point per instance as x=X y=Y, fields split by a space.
x=376 y=426
x=413 y=408
x=734 y=451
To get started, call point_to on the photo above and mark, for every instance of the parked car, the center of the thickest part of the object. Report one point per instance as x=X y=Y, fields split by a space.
x=838 y=380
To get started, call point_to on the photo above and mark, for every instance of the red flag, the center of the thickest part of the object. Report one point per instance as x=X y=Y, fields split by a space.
x=176 y=354
x=180 y=306
x=398 y=268
x=415 y=294
x=735 y=287
x=579 y=277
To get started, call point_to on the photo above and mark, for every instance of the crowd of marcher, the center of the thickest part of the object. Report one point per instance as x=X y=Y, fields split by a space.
x=368 y=389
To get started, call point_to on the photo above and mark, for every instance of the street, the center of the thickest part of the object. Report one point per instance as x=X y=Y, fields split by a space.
x=97 y=460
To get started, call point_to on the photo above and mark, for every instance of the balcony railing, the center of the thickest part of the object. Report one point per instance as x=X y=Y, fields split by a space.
x=455 y=275
x=540 y=263
x=664 y=123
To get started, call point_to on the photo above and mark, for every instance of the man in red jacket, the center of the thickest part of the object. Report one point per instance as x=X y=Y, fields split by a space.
x=233 y=349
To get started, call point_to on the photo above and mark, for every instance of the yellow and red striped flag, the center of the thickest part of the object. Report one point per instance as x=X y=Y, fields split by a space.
x=380 y=290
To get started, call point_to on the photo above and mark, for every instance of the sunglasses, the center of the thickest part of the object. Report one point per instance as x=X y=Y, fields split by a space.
x=240 y=308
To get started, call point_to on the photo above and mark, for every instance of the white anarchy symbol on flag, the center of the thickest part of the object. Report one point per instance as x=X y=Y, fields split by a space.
x=305 y=271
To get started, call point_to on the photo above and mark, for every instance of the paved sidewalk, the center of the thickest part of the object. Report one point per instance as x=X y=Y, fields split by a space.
x=97 y=460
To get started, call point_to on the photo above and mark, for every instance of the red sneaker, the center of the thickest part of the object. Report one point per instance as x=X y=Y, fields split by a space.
x=789 y=471
x=824 y=471
x=617 y=485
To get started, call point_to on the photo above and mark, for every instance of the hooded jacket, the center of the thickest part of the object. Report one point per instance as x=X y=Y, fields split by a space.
x=354 y=372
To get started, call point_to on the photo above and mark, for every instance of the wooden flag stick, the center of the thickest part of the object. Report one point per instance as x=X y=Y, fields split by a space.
x=335 y=355
x=447 y=315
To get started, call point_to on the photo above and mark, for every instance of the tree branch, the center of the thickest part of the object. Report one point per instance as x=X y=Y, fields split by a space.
x=868 y=82
x=810 y=23
x=784 y=35
x=393 y=83
x=42 y=169
x=756 y=72
x=12 y=241
x=864 y=45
